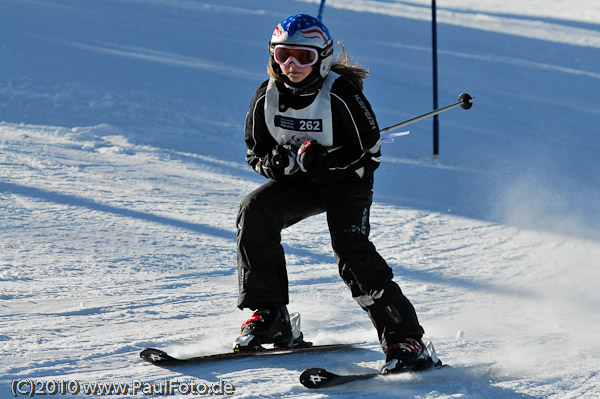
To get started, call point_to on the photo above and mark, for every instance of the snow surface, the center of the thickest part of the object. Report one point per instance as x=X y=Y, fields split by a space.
x=121 y=153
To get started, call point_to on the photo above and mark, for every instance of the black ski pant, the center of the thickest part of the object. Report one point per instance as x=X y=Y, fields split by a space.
x=262 y=273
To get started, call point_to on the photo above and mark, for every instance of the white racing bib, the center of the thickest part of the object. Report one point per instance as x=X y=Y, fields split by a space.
x=295 y=126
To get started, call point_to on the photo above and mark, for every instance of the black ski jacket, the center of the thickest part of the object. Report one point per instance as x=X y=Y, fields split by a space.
x=355 y=131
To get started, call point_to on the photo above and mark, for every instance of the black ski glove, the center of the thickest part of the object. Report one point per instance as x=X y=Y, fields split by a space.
x=279 y=163
x=312 y=159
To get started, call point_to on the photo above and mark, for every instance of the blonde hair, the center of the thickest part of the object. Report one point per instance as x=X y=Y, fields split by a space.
x=343 y=65
x=353 y=71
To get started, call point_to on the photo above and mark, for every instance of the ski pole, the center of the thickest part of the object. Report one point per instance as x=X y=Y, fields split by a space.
x=465 y=101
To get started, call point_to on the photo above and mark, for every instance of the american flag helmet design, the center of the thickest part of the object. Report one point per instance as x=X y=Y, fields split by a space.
x=305 y=30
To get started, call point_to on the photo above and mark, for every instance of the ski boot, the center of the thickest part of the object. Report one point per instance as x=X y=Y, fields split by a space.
x=410 y=355
x=270 y=325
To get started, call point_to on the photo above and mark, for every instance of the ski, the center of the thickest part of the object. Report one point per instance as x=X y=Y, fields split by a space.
x=320 y=378
x=315 y=378
x=161 y=358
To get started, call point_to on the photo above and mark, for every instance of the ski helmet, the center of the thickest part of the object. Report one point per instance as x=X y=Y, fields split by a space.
x=305 y=30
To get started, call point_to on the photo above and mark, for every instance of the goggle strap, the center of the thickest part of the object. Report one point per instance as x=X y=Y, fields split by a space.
x=328 y=50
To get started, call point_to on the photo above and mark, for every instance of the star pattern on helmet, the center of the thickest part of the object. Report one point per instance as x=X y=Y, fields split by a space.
x=302 y=21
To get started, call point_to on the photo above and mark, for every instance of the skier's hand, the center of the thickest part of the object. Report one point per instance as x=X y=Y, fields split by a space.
x=278 y=159
x=280 y=162
x=312 y=159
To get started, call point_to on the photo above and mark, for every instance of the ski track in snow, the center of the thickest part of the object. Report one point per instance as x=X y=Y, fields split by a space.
x=119 y=192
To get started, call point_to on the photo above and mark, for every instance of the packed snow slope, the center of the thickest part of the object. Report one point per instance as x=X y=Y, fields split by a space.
x=122 y=166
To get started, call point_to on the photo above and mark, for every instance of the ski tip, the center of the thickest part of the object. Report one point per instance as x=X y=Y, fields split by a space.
x=156 y=356
x=315 y=377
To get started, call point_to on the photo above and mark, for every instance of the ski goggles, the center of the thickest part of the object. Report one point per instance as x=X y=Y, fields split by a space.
x=299 y=55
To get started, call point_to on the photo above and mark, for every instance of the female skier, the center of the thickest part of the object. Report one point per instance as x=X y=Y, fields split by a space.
x=313 y=134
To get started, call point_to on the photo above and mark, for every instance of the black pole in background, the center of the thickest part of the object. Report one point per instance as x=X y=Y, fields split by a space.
x=436 y=124
x=320 y=15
